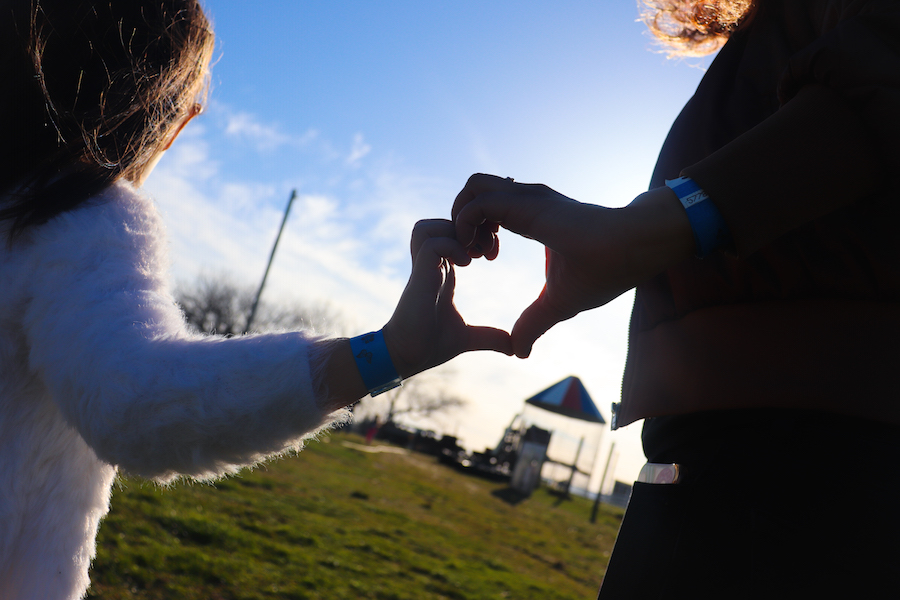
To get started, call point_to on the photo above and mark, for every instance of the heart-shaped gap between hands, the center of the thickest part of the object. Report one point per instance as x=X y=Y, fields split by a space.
x=496 y=292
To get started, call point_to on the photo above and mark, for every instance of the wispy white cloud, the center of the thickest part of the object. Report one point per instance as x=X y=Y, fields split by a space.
x=219 y=222
x=264 y=137
x=358 y=150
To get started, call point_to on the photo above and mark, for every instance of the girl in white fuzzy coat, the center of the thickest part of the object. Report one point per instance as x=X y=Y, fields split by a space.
x=97 y=368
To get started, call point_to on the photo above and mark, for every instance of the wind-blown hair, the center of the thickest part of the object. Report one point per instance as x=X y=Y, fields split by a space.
x=694 y=27
x=90 y=88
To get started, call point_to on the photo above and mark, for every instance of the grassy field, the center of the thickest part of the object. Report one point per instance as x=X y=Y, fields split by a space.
x=341 y=521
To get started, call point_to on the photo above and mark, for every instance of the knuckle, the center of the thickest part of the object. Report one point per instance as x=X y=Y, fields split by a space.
x=477 y=178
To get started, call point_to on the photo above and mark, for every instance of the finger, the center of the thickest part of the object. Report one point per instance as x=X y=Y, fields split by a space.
x=490 y=230
x=485 y=243
x=478 y=184
x=531 y=210
x=431 y=255
x=493 y=250
x=482 y=217
x=488 y=338
x=427 y=229
x=448 y=289
x=475 y=185
x=534 y=322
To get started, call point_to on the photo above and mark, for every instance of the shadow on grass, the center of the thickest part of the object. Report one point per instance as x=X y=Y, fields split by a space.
x=560 y=496
x=509 y=495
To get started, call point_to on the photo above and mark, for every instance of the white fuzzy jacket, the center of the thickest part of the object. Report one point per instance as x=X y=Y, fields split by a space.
x=98 y=371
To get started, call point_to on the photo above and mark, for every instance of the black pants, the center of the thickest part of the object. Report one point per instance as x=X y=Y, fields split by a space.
x=771 y=505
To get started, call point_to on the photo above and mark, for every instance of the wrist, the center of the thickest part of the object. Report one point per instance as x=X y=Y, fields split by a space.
x=373 y=360
x=707 y=225
x=404 y=367
x=661 y=232
x=336 y=379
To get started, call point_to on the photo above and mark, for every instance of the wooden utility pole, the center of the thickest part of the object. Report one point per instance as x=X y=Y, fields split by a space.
x=574 y=466
x=602 y=481
x=269 y=265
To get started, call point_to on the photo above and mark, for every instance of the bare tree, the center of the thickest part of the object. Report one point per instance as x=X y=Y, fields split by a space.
x=424 y=396
x=216 y=304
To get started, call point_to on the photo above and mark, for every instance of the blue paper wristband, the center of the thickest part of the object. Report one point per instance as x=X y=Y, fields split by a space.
x=374 y=363
x=710 y=231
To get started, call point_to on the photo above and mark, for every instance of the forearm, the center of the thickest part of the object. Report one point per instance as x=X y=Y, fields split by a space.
x=810 y=158
x=336 y=379
x=199 y=407
x=658 y=233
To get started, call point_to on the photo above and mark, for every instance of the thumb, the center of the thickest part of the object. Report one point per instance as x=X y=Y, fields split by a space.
x=534 y=322
x=488 y=338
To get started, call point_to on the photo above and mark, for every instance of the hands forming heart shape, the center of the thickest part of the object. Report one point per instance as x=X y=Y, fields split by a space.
x=593 y=254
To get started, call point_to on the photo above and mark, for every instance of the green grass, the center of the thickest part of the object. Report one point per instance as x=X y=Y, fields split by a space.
x=335 y=522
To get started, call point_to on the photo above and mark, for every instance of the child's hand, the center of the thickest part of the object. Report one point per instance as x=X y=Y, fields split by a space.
x=426 y=330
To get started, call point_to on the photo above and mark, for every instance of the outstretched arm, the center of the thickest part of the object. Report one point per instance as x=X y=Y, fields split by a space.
x=787 y=171
x=110 y=349
x=594 y=254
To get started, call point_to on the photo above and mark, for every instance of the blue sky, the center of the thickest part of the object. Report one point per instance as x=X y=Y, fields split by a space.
x=377 y=113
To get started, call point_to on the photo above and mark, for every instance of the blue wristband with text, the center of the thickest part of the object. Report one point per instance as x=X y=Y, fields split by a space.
x=710 y=231
x=374 y=363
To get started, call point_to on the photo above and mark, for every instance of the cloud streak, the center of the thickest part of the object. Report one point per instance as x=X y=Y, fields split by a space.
x=358 y=150
x=264 y=137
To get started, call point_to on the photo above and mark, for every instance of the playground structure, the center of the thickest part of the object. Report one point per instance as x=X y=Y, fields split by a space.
x=533 y=445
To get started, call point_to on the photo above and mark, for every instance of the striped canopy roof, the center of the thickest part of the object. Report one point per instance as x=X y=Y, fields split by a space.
x=569 y=398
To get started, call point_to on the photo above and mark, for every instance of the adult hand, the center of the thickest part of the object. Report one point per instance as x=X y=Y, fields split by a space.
x=593 y=254
x=426 y=329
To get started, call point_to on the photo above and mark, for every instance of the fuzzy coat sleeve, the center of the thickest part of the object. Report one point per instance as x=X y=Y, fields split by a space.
x=106 y=338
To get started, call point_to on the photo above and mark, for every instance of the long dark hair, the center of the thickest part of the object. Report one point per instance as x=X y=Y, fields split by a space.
x=695 y=27
x=89 y=90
